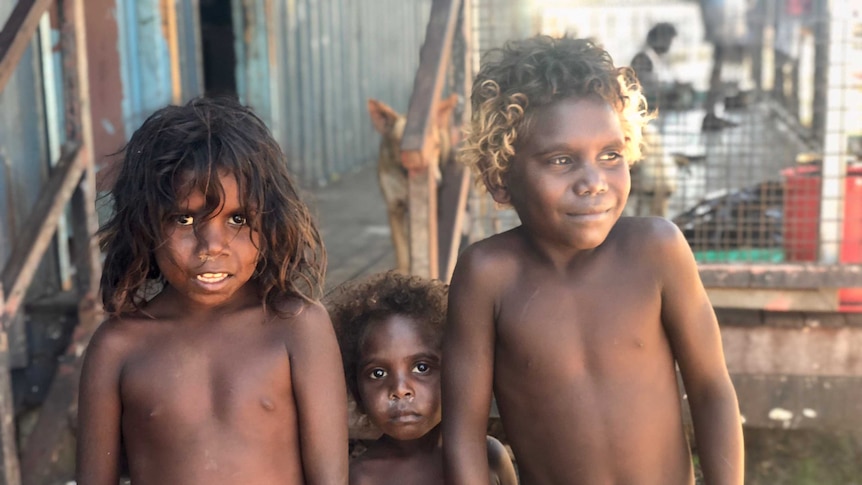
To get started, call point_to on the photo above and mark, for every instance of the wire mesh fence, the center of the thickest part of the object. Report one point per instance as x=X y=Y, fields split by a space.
x=758 y=138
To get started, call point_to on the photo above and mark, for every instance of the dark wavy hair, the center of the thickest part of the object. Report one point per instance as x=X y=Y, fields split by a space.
x=202 y=138
x=355 y=307
x=527 y=74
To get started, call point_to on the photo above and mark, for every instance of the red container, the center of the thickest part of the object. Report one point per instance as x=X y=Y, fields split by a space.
x=801 y=222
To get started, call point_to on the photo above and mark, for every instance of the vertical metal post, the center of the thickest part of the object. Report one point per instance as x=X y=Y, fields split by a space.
x=11 y=473
x=835 y=140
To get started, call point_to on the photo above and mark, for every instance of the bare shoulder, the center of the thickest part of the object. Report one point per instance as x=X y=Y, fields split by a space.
x=653 y=237
x=494 y=257
x=296 y=314
x=497 y=454
x=117 y=336
x=112 y=345
x=500 y=463
x=301 y=322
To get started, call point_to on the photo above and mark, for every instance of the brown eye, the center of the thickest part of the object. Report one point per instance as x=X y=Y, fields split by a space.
x=611 y=157
x=563 y=160
x=377 y=373
x=421 y=368
x=184 y=220
x=238 y=220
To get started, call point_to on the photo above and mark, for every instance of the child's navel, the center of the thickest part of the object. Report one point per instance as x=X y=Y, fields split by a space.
x=267 y=404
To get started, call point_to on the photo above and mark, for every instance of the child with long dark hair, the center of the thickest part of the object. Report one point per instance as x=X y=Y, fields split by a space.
x=217 y=364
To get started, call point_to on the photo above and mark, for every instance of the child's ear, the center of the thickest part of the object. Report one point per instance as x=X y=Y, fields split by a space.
x=382 y=116
x=499 y=190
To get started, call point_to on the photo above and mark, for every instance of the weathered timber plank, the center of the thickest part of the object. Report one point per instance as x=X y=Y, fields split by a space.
x=10 y=473
x=16 y=35
x=800 y=402
x=31 y=245
x=811 y=300
x=418 y=150
x=422 y=201
x=452 y=220
x=807 y=351
x=789 y=276
x=452 y=202
x=433 y=61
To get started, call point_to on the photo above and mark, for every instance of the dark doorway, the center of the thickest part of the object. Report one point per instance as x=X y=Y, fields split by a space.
x=219 y=54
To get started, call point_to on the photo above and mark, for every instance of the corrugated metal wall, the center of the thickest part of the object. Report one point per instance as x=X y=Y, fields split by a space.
x=153 y=75
x=309 y=66
x=23 y=156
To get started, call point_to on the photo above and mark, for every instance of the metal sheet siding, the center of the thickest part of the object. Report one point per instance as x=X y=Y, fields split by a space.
x=312 y=79
x=23 y=157
x=145 y=56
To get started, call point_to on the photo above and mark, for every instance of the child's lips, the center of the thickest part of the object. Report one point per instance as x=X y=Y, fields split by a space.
x=589 y=214
x=406 y=417
x=212 y=278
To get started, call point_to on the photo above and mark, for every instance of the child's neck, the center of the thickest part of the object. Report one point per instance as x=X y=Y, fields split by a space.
x=428 y=443
x=561 y=258
x=169 y=300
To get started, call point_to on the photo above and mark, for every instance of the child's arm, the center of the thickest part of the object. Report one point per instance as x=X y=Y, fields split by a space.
x=99 y=410
x=467 y=371
x=321 y=397
x=693 y=332
x=500 y=463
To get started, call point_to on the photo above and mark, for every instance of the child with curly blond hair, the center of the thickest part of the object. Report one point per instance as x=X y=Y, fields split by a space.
x=576 y=319
x=390 y=327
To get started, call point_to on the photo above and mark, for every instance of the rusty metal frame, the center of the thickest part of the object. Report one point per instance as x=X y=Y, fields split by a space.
x=16 y=34
x=73 y=180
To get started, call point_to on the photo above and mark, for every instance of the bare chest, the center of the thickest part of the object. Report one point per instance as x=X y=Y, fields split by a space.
x=180 y=382
x=601 y=324
x=425 y=470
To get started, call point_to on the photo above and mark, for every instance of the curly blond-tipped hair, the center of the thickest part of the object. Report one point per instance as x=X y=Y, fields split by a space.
x=525 y=75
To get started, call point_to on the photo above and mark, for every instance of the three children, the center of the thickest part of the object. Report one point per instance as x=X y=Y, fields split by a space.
x=219 y=366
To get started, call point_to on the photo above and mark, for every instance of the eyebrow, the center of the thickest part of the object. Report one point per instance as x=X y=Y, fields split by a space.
x=428 y=356
x=615 y=144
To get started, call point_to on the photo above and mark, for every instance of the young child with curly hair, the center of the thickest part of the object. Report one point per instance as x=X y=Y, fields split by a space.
x=217 y=364
x=577 y=318
x=390 y=327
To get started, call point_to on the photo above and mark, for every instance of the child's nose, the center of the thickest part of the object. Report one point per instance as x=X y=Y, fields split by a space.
x=591 y=180
x=401 y=389
x=213 y=239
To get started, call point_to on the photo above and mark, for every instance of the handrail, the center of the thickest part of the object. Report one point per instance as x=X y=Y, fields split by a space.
x=428 y=84
x=29 y=248
x=16 y=34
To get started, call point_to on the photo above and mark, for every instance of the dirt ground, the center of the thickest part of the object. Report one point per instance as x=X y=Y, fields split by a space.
x=781 y=457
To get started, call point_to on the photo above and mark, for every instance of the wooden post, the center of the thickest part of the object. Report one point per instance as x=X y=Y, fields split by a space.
x=11 y=473
x=417 y=154
x=452 y=227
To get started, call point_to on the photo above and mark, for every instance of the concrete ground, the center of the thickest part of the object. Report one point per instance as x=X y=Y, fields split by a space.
x=353 y=224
